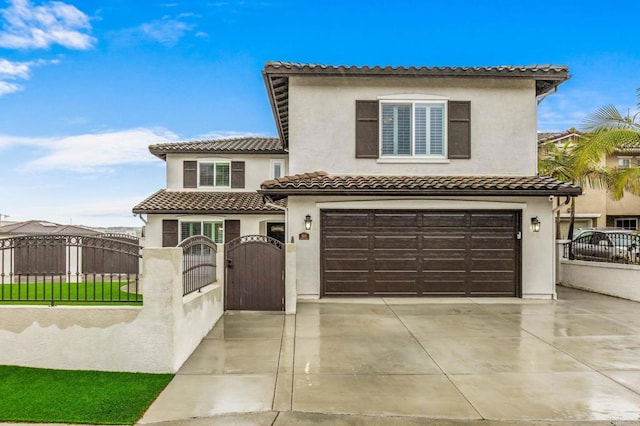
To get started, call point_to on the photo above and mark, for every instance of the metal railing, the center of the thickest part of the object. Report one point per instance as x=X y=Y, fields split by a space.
x=610 y=247
x=198 y=263
x=69 y=269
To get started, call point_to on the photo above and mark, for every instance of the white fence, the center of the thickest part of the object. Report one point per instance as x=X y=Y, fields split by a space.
x=606 y=278
x=156 y=337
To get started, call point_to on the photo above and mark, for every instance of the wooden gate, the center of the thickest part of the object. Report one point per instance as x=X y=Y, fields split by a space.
x=254 y=274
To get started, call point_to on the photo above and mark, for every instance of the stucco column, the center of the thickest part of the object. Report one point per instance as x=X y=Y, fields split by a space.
x=290 y=286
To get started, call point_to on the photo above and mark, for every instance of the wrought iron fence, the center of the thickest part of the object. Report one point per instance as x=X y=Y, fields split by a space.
x=599 y=246
x=55 y=269
x=198 y=263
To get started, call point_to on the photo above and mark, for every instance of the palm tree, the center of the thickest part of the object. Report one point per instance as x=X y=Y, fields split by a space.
x=556 y=161
x=609 y=132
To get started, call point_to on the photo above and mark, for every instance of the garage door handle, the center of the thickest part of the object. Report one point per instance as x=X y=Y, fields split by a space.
x=229 y=263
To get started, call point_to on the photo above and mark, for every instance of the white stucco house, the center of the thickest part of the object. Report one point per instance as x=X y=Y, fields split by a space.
x=391 y=181
x=211 y=190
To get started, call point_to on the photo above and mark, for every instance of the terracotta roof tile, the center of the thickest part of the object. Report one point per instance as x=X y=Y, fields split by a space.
x=318 y=183
x=248 y=145
x=164 y=201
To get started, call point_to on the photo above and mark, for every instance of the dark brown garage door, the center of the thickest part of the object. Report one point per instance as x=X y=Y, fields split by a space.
x=420 y=253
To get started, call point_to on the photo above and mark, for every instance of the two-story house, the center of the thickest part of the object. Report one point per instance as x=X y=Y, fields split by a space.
x=211 y=190
x=399 y=181
x=595 y=208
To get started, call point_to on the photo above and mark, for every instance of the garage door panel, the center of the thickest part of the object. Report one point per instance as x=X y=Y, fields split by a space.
x=495 y=287
x=448 y=219
x=395 y=242
x=485 y=242
x=492 y=265
x=444 y=285
x=428 y=253
x=444 y=242
x=346 y=242
x=347 y=220
x=395 y=264
x=352 y=263
x=444 y=265
x=395 y=220
x=493 y=219
x=342 y=286
x=396 y=285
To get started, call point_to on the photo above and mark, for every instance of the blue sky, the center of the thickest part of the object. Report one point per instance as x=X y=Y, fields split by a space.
x=86 y=86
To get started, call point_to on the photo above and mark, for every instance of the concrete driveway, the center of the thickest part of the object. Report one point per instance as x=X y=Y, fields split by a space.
x=408 y=360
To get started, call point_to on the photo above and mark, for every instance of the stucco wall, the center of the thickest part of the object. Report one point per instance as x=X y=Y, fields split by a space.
x=249 y=224
x=156 y=337
x=538 y=279
x=605 y=278
x=257 y=169
x=322 y=124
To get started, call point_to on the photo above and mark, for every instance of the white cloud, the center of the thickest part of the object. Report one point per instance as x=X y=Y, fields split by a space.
x=37 y=27
x=91 y=153
x=224 y=134
x=166 y=31
x=16 y=71
x=6 y=88
x=10 y=69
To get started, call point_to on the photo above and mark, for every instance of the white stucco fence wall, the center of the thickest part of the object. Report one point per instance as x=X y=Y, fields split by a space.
x=612 y=279
x=157 y=337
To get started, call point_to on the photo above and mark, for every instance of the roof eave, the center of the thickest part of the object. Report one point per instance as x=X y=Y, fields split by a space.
x=274 y=108
x=545 y=192
x=203 y=211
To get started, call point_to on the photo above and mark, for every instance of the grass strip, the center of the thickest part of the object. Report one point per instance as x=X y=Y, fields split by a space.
x=98 y=292
x=39 y=395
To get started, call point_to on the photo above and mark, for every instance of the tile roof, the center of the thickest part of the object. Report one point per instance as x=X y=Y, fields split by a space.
x=320 y=183
x=552 y=136
x=276 y=76
x=43 y=227
x=243 y=145
x=164 y=201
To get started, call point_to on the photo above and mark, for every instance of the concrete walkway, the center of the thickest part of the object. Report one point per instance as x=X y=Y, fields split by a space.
x=415 y=361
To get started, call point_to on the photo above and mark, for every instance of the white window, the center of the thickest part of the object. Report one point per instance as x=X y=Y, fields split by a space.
x=212 y=229
x=214 y=174
x=624 y=162
x=277 y=168
x=627 y=223
x=413 y=128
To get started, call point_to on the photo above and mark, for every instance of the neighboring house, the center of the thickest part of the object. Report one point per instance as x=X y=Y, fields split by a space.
x=43 y=227
x=211 y=190
x=29 y=257
x=400 y=181
x=595 y=208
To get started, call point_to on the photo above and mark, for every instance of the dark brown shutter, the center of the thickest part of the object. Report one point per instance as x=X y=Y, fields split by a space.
x=190 y=174
x=169 y=233
x=367 y=142
x=459 y=134
x=231 y=230
x=237 y=174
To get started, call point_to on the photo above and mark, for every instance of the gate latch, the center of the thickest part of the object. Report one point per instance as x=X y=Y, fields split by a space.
x=229 y=263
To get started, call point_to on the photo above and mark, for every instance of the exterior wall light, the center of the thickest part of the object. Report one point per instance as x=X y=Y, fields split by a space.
x=307 y=222
x=535 y=224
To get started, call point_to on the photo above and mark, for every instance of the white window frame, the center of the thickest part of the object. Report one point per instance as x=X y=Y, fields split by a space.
x=201 y=222
x=273 y=168
x=214 y=162
x=634 y=219
x=414 y=99
x=621 y=161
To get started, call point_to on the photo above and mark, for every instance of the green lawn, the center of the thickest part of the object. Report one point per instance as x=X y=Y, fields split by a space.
x=61 y=396
x=88 y=293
